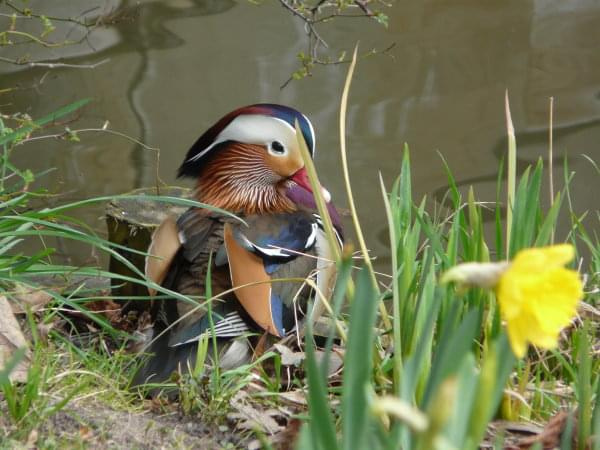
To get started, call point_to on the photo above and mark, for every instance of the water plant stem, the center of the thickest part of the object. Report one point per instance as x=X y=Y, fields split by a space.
x=359 y=235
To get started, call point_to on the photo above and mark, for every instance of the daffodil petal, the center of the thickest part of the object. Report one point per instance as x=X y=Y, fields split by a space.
x=544 y=257
x=538 y=296
x=517 y=336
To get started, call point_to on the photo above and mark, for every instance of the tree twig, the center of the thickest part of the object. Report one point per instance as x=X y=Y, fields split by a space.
x=52 y=65
x=29 y=14
x=320 y=12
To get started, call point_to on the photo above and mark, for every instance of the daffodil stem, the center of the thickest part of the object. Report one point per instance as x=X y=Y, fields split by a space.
x=550 y=160
x=512 y=172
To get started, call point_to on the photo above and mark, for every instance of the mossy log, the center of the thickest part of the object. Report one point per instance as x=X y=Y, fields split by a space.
x=131 y=223
x=72 y=284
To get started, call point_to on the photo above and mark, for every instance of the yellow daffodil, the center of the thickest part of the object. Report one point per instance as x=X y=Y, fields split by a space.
x=537 y=295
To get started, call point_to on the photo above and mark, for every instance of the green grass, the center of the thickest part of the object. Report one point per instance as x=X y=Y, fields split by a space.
x=447 y=354
x=446 y=358
x=427 y=365
x=60 y=372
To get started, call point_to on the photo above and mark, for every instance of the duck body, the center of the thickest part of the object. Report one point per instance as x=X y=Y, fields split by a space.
x=257 y=264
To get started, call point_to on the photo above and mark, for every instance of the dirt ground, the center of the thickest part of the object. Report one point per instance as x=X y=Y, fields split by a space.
x=88 y=424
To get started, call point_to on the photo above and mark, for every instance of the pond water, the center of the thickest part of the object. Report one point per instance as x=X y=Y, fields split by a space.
x=175 y=66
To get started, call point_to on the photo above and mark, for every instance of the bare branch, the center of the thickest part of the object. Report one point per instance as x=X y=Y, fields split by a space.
x=29 y=14
x=52 y=65
x=321 y=12
x=67 y=134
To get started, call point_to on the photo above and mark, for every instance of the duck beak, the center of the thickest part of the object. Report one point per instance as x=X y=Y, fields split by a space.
x=301 y=179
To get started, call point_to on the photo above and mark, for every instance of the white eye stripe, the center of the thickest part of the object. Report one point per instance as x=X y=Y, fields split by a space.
x=253 y=129
x=285 y=123
x=203 y=152
x=310 y=126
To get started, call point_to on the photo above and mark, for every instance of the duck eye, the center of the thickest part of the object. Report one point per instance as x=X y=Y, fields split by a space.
x=277 y=147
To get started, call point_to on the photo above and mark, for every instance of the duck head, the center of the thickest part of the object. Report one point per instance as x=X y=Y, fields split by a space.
x=249 y=161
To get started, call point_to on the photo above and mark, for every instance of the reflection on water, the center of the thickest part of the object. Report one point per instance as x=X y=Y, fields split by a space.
x=175 y=66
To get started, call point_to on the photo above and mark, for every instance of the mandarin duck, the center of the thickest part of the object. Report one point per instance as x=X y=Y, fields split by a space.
x=248 y=163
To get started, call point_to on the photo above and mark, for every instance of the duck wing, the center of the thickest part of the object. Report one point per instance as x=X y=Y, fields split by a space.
x=268 y=260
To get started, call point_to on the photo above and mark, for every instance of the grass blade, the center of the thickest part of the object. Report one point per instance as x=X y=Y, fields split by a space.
x=321 y=422
x=358 y=364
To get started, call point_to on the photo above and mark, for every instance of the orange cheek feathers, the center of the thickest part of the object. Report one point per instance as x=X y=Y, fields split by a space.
x=251 y=283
